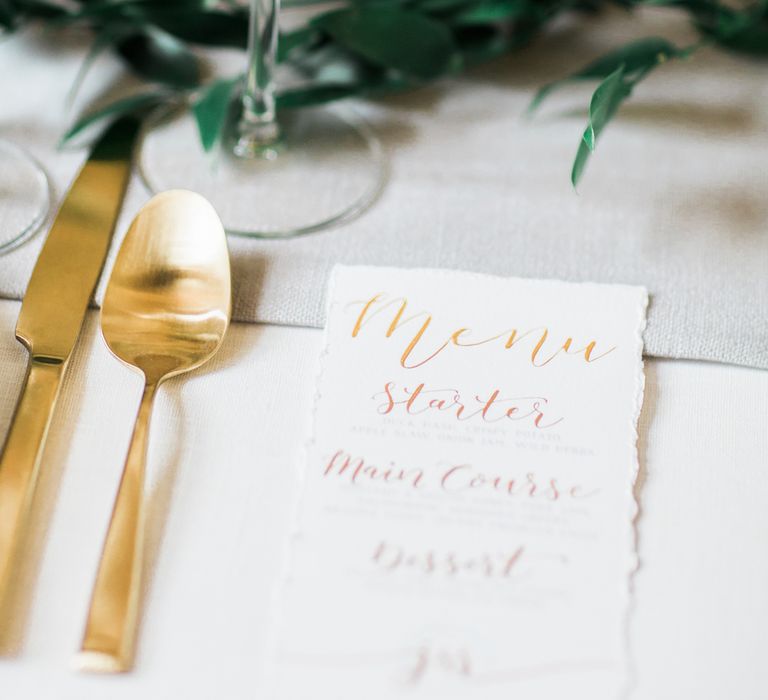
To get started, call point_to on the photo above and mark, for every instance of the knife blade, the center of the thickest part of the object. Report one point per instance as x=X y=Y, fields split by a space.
x=52 y=313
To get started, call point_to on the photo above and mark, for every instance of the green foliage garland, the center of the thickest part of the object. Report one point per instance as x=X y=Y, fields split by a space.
x=368 y=47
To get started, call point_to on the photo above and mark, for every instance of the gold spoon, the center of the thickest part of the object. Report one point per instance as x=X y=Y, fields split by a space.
x=166 y=309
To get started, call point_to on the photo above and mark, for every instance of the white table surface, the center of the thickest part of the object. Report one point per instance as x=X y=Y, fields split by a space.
x=225 y=450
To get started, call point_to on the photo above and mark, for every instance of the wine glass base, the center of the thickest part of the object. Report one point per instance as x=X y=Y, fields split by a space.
x=25 y=196
x=327 y=168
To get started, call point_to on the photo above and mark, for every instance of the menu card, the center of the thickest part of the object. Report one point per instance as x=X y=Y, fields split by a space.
x=465 y=528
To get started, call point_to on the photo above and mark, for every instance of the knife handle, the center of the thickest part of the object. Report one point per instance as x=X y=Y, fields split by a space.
x=20 y=458
x=110 y=631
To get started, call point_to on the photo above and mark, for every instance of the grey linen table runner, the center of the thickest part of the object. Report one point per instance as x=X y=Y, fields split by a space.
x=674 y=198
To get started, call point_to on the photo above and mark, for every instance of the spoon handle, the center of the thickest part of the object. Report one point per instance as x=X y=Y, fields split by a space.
x=110 y=631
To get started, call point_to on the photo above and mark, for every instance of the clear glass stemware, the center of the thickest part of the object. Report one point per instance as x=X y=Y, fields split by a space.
x=275 y=175
x=25 y=195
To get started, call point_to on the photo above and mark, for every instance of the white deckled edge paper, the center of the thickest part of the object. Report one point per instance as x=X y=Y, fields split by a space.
x=296 y=532
x=634 y=515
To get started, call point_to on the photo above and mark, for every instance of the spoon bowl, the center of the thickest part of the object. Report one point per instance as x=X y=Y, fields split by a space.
x=165 y=312
x=167 y=303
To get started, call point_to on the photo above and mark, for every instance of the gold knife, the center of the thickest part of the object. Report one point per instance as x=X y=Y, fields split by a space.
x=52 y=313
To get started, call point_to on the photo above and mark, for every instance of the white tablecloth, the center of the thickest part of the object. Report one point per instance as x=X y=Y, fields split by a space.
x=681 y=174
x=223 y=459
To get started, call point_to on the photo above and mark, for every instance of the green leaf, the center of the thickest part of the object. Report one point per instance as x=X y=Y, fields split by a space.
x=744 y=31
x=442 y=6
x=582 y=155
x=605 y=101
x=390 y=37
x=750 y=40
x=480 y=43
x=310 y=95
x=211 y=110
x=135 y=104
x=490 y=11
x=39 y=9
x=7 y=14
x=160 y=57
x=740 y=29
x=475 y=51
x=290 y=41
x=637 y=57
x=113 y=10
x=207 y=27
x=99 y=44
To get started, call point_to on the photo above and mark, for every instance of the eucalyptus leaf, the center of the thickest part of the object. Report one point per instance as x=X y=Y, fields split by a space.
x=391 y=37
x=96 y=12
x=125 y=9
x=605 y=102
x=636 y=57
x=579 y=162
x=210 y=111
x=751 y=40
x=304 y=37
x=480 y=50
x=478 y=43
x=40 y=9
x=442 y=6
x=136 y=104
x=100 y=43
x=311 y=95
x=206 y=27
x=490 y=11
x=160 y=57
x=8 y=14
x=742 y=29
x=745 y=31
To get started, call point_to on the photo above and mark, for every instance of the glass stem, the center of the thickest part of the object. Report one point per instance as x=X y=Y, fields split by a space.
x=258 y=131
